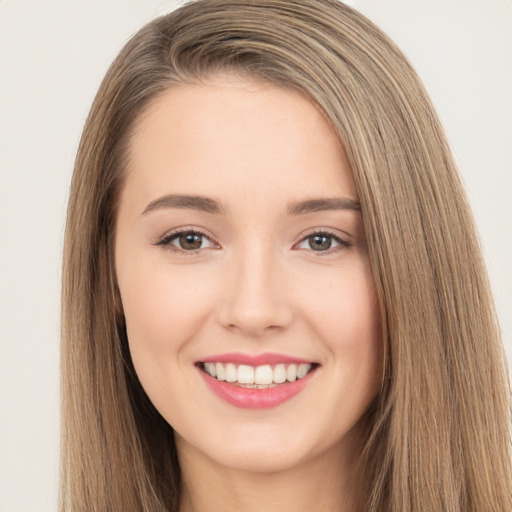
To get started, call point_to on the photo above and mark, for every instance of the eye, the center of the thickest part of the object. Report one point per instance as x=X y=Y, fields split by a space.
x=322 y=242
x=186 y=241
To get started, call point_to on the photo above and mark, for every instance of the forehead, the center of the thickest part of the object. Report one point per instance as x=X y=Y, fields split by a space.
x=234 y=135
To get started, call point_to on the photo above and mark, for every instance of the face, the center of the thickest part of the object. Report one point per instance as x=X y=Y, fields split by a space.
x=244 y=276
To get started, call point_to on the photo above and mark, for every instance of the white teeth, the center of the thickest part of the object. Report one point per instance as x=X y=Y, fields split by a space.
x=231 y=373
x=245 y=374
x=279 y=374
x=302 y=370
x=211 y=369
x=259 y=376
x=220 y=371
x=291 y=372
x=263 y=375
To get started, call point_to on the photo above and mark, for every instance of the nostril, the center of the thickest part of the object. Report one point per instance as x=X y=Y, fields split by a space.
x=254 y=320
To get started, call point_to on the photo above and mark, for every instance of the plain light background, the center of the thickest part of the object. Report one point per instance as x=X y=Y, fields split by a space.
x=53 y=55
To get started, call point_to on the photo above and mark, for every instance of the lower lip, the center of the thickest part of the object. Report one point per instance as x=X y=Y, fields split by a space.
x=251 y=398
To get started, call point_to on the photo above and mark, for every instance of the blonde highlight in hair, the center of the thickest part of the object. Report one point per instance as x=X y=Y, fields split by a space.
x=437 y=436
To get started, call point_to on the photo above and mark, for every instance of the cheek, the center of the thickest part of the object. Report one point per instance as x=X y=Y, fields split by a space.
x=358 y=354
x=350 y=322
x=346 y=309
x=162 y=313
x=164 y=309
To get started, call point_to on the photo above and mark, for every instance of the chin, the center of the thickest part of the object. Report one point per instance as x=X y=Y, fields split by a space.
x=264 y=448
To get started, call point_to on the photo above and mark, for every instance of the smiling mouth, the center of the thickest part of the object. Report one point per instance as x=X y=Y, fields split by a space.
x=257 y=377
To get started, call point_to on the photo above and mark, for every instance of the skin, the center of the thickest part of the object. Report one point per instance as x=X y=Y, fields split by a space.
x=254 y=285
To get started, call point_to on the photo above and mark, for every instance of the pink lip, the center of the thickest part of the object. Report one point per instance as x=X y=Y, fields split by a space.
x=250 y=398
x=254 y=360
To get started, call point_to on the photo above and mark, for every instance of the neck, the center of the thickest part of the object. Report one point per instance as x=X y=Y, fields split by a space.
x=320 y=485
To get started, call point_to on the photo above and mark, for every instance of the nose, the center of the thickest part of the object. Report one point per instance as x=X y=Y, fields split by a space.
x=255 y=300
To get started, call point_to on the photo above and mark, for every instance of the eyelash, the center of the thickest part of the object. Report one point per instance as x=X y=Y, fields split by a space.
x=168 y=238
x=342 y=242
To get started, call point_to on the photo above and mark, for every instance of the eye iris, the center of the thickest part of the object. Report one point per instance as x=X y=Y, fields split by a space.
x=191 y=241
x=320 y=242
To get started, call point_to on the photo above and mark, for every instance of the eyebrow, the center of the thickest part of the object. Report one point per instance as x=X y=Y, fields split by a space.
x=208 y=205
x=200 y=203
x=323 y=204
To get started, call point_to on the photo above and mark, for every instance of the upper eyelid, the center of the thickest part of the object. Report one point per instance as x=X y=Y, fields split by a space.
x=165 y=241
x=344 y=241
x=187 y=229
x=334 y=233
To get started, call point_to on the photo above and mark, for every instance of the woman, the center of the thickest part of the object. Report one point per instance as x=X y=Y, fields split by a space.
x=273 y=293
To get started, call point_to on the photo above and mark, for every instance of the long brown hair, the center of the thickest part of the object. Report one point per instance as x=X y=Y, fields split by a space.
x=438 y=433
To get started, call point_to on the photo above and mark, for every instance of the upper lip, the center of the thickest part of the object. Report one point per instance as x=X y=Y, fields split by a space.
x=265 y=358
